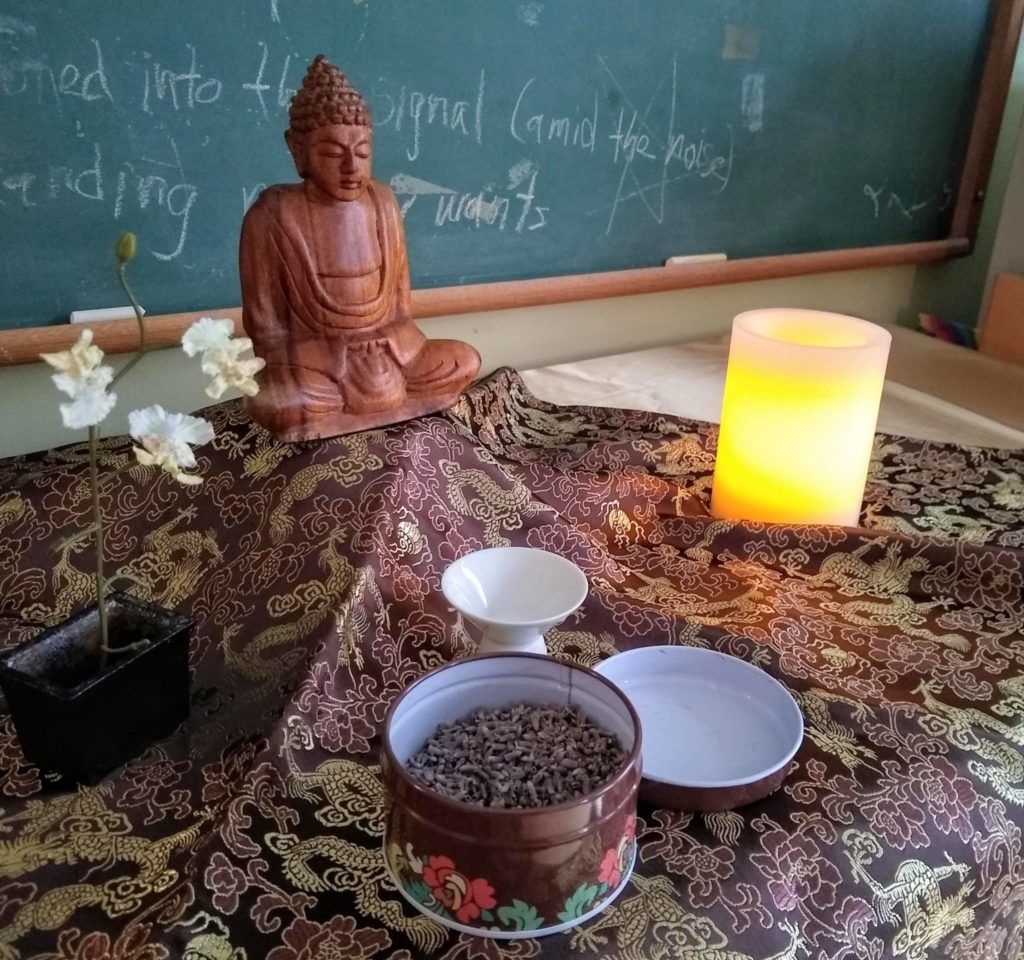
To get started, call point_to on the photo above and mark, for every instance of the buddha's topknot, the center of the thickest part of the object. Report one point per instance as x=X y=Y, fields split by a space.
x=325 y=98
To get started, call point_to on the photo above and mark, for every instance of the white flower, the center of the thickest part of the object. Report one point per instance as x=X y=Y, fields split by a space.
x=89 y=407
x=78 y=362
x=165 y=439
x=83 y=377
x=221 y=357
x=229 y=370
x=208 y=334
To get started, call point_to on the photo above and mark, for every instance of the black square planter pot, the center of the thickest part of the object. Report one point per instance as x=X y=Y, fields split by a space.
x=80 y=721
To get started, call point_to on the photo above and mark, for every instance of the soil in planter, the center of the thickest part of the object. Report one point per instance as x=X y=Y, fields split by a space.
x=520 y=756
x=74 y=657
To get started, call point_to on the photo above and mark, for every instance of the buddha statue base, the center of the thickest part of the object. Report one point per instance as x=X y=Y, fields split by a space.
x=291 y=425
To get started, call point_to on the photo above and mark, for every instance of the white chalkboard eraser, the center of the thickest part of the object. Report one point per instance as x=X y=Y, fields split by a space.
x=695 y=258
x=99 y=316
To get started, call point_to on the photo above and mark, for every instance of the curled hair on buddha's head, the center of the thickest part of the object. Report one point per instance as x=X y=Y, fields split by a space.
x=325 y=98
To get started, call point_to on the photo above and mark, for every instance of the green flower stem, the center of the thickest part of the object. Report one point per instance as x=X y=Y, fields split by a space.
x=142 y=348
x=101 y=584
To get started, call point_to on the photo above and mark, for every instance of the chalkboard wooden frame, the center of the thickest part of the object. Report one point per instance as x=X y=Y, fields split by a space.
x=19 y=346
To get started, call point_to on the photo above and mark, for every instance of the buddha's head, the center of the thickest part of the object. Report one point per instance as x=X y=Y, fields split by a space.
x=329 y=134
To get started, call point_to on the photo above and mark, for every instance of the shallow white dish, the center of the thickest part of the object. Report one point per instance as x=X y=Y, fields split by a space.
x=717 y=732
x=514 y=594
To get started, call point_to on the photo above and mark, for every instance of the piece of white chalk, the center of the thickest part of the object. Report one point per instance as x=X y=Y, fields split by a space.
x=695 y=258
x=98 y=316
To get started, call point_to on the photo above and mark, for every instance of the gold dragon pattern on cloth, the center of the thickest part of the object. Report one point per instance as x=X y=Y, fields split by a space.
x=325 y=284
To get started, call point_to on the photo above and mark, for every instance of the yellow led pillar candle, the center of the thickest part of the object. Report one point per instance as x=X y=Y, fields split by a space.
x=798 y=419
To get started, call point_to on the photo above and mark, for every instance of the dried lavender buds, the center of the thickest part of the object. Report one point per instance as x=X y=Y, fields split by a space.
x=522 y=755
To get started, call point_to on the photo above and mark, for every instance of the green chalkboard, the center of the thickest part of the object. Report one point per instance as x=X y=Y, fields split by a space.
x=523 y=138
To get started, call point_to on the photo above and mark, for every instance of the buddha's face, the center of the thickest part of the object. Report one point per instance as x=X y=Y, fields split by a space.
x=337 y=159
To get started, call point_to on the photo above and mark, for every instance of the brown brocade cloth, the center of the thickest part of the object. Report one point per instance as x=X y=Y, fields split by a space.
x=313 y=574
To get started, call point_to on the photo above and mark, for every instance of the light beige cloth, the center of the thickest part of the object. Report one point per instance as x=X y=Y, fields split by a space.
x=687 y=380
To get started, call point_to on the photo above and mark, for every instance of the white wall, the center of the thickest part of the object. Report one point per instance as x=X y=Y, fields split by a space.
x=521 y=338
x=956 y=290
x=1008 y=245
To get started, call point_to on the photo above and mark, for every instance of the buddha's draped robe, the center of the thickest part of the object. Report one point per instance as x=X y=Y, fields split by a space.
x=289 y=314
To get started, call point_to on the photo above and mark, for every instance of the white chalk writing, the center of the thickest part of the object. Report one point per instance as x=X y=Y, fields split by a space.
x=484 y=207
x=249 y=195
x=34 y=78
x=752 y=102
x=83 y=179
x=20 y=183
x=884 y=200
x=168 y=191
x=415 y=109
x=411 y=187
x=639 y=145
x=13 y=26
x=142 y=185
x=578 y=130
x=529 y=13
x=86 y=183
x=284 y=89
x=631 y=141
x=182 y=90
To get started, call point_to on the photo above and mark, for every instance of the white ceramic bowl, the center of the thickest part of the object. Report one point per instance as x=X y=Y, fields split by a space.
x=718 y=732
x=514 y=594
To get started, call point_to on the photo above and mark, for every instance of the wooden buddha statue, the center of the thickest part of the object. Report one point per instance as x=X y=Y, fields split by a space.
x=325 y=284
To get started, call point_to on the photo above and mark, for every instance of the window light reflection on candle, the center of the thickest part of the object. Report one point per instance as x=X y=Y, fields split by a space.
x=802 y=390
